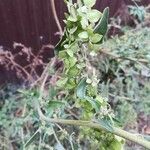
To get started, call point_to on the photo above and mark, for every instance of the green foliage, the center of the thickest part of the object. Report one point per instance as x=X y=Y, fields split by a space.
x=89 y=3
x=124 y=77
x=81 y=31
x=138 y=11
x=116 y=145
x=81 y=25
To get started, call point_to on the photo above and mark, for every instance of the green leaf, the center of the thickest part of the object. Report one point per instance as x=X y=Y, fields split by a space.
x=66 y=15
x=82 y=10
x=72 y=61
x=116 y=145
x=89 y=3
x=74 y=47
x=96 y=38
x=67 y=63
x=72 y=19
x=73 y=71
x=71 y=84
x=83 y=35
x=89 y=81
x=55 y=104
x=70 y=52
x=52 y=92
x=84 y=22
x=73 y=14
x=93 y=102
x=81 y=89
x=62 y=82
x=69 y=24
x=94 y=47
x=101 y=27
x=71 y=31
x=81 y=66
x=81 y=93
x=62 y=54
x=100 y=99
x=94 y=15
x=80 y=3
x=106 y=124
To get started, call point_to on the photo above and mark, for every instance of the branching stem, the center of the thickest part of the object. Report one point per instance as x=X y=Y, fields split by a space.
x=117 y=131
x=56 y=16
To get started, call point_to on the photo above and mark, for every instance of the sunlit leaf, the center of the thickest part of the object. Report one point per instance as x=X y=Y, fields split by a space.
x=70 y=52
x=89 y=3
x=116 y=145
x=73 y=14
x=62 y=82
x=71 y=31
x=95 y=38
x=84 y=22
x=72 y=61
x=81 y=65
x=81 y=89
x=83 y=35
x=73 y=71
x=94 y=15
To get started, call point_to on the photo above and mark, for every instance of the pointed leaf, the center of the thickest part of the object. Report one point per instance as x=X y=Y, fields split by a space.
x=93 y=102
x=81 y=93
x=101 y=27
x=95 y=38
x=81 y=89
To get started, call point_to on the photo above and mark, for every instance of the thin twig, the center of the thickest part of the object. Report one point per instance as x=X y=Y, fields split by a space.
x=45 y=72
x=56 y=138
x=56 y=16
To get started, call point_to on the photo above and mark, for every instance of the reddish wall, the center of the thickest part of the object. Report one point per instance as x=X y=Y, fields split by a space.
x=25 y=21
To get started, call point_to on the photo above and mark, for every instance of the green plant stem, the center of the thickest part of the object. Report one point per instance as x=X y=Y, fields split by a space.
x=117 y=131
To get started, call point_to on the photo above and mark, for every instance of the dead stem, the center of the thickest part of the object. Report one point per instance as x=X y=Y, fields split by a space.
x=56 y=16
